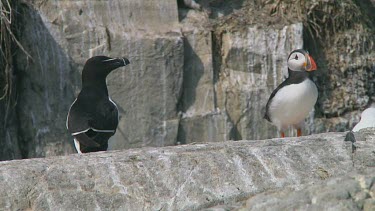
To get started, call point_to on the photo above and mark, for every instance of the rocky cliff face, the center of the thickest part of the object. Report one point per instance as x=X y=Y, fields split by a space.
x=195 y=76
x=297 y=173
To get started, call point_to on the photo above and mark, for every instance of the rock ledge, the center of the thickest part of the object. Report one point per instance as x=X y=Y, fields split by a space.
x=184 y=177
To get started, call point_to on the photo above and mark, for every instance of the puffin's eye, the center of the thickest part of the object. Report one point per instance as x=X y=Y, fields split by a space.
x=296 y=57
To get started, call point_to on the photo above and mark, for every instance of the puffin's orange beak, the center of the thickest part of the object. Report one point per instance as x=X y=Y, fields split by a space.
x=312 y=66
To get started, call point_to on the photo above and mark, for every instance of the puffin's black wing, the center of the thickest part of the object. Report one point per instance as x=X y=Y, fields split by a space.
x=295 y=77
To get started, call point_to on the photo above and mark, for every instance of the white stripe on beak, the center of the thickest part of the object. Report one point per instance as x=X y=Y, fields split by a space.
x=109 y=60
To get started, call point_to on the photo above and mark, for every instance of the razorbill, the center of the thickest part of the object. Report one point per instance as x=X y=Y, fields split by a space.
x=93 y=117
x=295 y=97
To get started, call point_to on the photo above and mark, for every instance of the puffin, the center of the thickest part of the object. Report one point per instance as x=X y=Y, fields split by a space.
x=296 y=96
x=93 y=116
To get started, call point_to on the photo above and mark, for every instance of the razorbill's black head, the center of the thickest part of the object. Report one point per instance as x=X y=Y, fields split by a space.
x=98 y=67
x=93 y=116
x=295 y=97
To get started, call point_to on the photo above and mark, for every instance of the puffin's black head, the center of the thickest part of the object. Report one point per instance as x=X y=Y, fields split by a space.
x=99 y=67
x=300 y=60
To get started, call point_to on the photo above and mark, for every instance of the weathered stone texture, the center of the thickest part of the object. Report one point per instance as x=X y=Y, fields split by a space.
x=344 y=193
x=192 y=177
x=147 y=92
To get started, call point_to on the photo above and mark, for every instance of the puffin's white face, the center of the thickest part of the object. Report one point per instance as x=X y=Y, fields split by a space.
x=297 y=62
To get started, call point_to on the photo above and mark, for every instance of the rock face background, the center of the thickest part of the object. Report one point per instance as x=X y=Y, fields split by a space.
x=195 y=76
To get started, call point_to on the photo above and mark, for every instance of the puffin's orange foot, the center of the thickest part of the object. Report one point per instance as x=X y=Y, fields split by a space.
x=282 y=135
x=299 y=132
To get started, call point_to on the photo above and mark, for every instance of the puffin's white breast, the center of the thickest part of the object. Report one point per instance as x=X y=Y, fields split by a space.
x=292 y=103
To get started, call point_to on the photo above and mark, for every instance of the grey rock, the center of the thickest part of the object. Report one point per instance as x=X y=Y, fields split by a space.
x=343 y=193
x=198 y=83
x=147 y=94
x=209 y=127
x=193 y=177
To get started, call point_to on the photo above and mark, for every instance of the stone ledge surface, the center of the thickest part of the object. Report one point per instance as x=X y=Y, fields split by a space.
x=187 y=177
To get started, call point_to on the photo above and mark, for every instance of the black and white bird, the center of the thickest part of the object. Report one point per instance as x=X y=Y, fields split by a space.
x=295 y=97
x=367 y=121
x=93 y=116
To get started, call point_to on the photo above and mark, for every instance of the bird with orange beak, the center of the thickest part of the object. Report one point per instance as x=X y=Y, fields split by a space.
x=294 y=98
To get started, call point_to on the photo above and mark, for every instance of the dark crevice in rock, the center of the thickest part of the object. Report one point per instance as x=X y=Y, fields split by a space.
x=350 y=137
x=216 y=61
x=9 y=30
x=181 y=135
x=367 y=8
x=193 y=71
x=23 y=141
x=108 y=34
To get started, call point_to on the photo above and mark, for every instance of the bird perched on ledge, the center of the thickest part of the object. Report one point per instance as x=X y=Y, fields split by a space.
x=367 y=121
x=93 y=117
x=295 y=97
